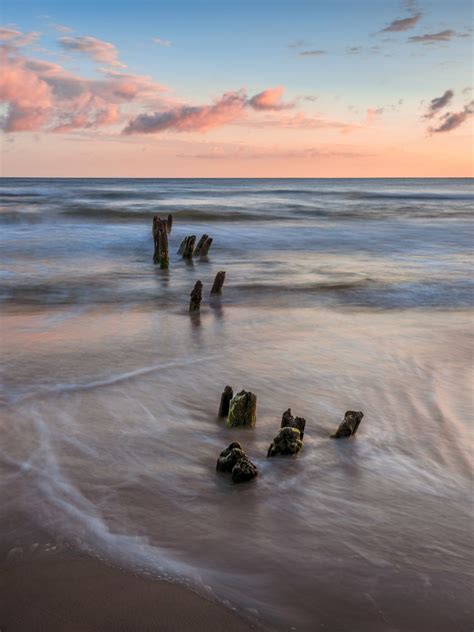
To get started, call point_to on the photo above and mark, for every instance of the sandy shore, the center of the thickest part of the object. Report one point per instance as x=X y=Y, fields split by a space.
x=83 y=595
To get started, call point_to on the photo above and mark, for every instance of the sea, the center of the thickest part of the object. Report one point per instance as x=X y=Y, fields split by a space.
x=340 y=294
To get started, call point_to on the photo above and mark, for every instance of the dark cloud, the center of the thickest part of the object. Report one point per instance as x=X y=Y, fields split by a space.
x=438 y=103
x=312 y=53
x=431 y=38
x=403 y=25
x=354 y=50
x=452 y=120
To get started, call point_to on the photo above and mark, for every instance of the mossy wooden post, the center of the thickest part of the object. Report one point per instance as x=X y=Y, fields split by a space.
x=287 y=442
x=288 y=421
x=160 y=237
x=200 y=244
x=196 y=297
x=218 y=283
x=205 y=247
x=188 y=250
x=226 y=396
x=169 y=223
x=243 y=410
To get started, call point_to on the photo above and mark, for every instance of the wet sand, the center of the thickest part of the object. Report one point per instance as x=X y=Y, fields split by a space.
x=84 y=595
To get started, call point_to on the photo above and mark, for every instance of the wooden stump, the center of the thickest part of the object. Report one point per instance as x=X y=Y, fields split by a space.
x=188 y=250
x=160 y=238
x=169 y=223
x=218 y=283
x=348 y=427
x=205 y=247
x=288 y=421
x=196 y=297
x=243 y=410
x=288 y=441
x=181 y=246
x=200 y=244
x=226 y=396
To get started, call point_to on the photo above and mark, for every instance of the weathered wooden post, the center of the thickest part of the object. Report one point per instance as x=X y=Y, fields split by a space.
x=205 y=247
x=181 y=246
x=160 y=237
x=200 y=244
x=188 y=250
x=218 y=283
x=348 y=427
x=226 y=396
x=196 y=297
x=288 y=421
x=169 y=223
x=243 y=410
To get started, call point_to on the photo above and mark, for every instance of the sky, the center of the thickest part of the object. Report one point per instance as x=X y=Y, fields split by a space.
x=236 y=88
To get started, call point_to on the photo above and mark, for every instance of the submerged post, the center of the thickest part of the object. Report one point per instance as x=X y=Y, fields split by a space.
x=160 y=238
x=226 y=396
x=200 y=244
x=205 y=247
x=188 y=250
x=169 y=223
x=196 y=297
x=218 y=283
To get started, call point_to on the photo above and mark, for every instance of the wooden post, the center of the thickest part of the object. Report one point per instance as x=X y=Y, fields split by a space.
x=243 y=410
x=160 y=237
x=169 y=223
x=218 y=283
x=226 y=396
x=200 y=244
x=181 y=246
x=348 y=427
x=196 y=297
x=205 y=247
x=189 y=247
x=288 y=421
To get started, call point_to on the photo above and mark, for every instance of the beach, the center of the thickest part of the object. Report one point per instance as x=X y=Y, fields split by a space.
x=339 y=295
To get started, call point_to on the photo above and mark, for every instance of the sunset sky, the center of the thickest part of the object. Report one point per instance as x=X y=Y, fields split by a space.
x=316 y=88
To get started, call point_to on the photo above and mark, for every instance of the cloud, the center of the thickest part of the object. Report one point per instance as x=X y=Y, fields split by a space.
x=230 y=108
x=431 y=38
x=269 y=99
x=402 y=25
x=161 y=42
x=372 y=114
x=354 y=50
x=94 y=48
x=438 y=103
x=312 y=53
x=452 y=120
x=17 y=39
x=188 y=118
x=61 y=28
x=43 y=96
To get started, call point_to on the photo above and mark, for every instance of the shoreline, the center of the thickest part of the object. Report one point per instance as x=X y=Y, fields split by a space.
x=87 y=595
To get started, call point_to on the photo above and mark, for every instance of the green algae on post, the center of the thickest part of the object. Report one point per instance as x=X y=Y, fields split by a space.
x=243 y=410
x=287 y=442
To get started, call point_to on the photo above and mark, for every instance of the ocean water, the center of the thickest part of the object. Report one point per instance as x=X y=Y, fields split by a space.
x=339 y=295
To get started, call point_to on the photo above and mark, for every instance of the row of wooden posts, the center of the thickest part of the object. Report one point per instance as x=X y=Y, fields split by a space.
x=161 y=229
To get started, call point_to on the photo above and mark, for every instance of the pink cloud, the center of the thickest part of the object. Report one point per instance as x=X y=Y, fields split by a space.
x=269 y=99
x=188 y=118
x=15 y=38
x=41 y=95
x=97 y=50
